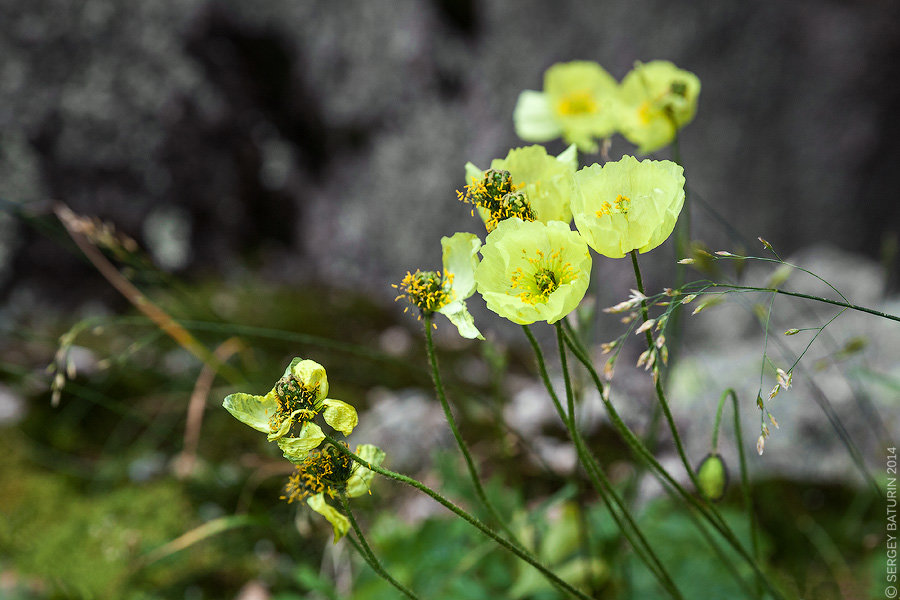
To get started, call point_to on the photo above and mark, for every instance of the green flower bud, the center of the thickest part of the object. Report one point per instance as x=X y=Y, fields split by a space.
x=713 y=477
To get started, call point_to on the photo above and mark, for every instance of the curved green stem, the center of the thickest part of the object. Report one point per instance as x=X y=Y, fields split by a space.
x=470 y=464
x=368 y=555
x=598 y=478
x=855 y=307
x=469 y=518
x=708 y=512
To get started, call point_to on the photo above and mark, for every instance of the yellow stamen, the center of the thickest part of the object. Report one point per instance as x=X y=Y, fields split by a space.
x=543 y=276
x=621 y=205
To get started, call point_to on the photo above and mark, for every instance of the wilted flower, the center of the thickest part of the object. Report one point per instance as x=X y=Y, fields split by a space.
x=657 y=100
x=627 y=205
x=446 y=292
x=286 y=413
x=533 y=271
x=545 y=180
x=579 y=103
x=325 y=474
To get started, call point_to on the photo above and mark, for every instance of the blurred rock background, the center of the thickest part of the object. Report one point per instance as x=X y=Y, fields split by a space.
x=324 y=141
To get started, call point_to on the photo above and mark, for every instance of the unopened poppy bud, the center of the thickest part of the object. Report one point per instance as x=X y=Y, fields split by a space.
x=712 y=476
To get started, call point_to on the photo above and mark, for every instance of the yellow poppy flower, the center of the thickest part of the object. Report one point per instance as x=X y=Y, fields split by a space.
x=627 y=205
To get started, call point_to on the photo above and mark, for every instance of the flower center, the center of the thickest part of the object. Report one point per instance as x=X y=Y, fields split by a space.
x=543 y=276
x=647 y=111
x=321 y=471
x=427 y=290
x=546 y=281
x=621 y=205
x=293 y=395
x=577 y=103
x=499 y=196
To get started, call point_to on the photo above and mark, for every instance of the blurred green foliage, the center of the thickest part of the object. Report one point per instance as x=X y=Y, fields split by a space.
x=89 y=490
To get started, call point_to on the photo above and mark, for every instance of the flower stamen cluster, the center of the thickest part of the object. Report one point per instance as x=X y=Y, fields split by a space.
x=549 y=273
x=496 y=193
x=295 y=398
x=321 y=471
x=621 y=205
x=426 y=290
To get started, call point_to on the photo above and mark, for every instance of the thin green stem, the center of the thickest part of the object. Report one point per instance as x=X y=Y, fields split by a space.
x=660 y=394
x=570 y=397
x=855 y=307
x=715 y=434
x=640 y=450
x=745 y=479
x=470 y=464
x=366 y=551
x=598 y=478
x=469 y=518
x=765 y=355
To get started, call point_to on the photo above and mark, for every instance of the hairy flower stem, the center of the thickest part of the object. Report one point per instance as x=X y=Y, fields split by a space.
x=368 y=555
x=469 y=518
x=470 y=464
x=641 y=451
x=597 y=476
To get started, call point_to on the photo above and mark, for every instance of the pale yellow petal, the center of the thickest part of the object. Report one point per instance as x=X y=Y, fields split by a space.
x=295 y=449
x=339 y=522
x=340 y=415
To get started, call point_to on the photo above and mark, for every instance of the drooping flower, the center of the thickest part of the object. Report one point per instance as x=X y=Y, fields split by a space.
x=325 y=474
x=627 y=205
x=545 y=180
x=446 y=293
x=579 y=103
x=286 y=413
x=533 y=271
x=657 y=99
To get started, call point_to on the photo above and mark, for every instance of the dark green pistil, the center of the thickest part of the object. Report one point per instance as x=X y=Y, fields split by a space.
x=546 y=282
x=515 y=204
x=679 y=88
x=294 y=395
x=495 y=185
